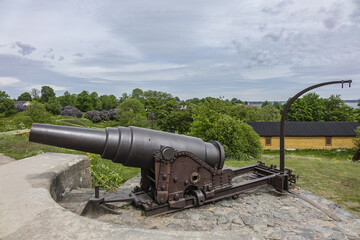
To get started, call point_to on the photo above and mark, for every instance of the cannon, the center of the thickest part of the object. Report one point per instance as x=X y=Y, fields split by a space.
x=177 y=171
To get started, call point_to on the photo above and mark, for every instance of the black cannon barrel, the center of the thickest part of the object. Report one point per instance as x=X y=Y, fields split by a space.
x=130 y=146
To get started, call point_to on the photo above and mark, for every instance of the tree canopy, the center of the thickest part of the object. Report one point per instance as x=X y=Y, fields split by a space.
x=7 y=106
x=46 y=93
x=25 y=97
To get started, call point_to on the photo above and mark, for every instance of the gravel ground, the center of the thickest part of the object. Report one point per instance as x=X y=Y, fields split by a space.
x=263 y=212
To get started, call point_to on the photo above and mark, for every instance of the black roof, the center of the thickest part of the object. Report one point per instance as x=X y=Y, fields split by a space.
x=306 y=129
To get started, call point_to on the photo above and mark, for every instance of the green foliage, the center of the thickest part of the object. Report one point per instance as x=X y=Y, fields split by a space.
x=68 y=99
x=22 y=121
x=357 y=139
x=174 y=119
x=299 y=111
x=7 y=106
x=46 y=93
x=337 y=110
x=53 y=106
x=313 y=108
x=104 y=175
x=95 y=101
x=236 y=101
x=269 y=113
x=316 y=106
x=84 y=102
x=37 y=113
x=108 y=102
x=24 y=97
x=131 y=112
x=35 y=94
x=337 y=154
x=137 y=93
x=211 y=123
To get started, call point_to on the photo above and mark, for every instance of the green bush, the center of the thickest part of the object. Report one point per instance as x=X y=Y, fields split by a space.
x=357 y=139
x=131 y=112
x=239 y=140
x=7 y=106
x=37 y=113
x=103 y=174
x=22 y=121
x=53 y=106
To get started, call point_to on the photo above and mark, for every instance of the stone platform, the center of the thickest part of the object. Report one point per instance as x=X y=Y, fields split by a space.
x=28 y=210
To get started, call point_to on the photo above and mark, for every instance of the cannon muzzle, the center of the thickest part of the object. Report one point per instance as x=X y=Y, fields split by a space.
x=130 y=146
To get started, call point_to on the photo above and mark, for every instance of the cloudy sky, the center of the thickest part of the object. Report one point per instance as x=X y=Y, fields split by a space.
x=251 y=50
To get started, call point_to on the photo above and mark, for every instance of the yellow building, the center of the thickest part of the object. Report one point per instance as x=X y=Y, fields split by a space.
x=307 y=135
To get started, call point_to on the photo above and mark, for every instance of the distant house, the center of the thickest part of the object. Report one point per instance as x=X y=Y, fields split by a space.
x=307 y=135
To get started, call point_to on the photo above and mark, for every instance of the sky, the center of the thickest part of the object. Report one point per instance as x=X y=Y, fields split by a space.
x=251 y=50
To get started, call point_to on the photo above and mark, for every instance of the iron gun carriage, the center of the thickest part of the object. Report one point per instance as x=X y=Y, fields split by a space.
x=177 y=171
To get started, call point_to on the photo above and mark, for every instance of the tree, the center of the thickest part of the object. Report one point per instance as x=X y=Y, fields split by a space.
x=96 y=102
x=337 y=110
x=108 y=102
x=316 y=106
x=7 y=106
x=269 y=113
x=68 y=99
x=53 y=105
x=123 y=97
x=24 y=97
x=84 y=102
x=37 y=112
x=35 y=93
x=46 y=93
x=277 y=105
x=137 y=93
x=246 y=113
x=171 y=118
x=131 y=112
x=237 y=101
x=239 y=140
x=266 y=103
x=299 y=111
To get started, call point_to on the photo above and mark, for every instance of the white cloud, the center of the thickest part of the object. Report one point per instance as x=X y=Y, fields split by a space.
x=8 y=81
x=38 y=86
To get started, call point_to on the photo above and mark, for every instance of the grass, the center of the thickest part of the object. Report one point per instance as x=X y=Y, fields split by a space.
x=338 y=154
x=337 y=180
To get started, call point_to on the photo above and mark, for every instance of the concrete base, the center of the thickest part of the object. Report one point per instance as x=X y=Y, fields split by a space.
x=5 y=159
x=28 y=210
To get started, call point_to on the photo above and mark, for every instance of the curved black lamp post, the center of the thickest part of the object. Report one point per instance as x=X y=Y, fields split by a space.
x=284 y=115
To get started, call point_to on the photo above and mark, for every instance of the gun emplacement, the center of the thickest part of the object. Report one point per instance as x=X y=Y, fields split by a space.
x=177 y=171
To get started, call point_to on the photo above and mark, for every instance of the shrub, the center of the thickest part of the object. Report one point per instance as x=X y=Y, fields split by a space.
x=239 y=140
x=131 y=112
x=20 y=107
x=7 y=106
x=105 y=115
x=103 y=175
x=112 y=114
x=22 y=121
x=93 y=116
x=37 y=113
x=71 y=112
x=357 y=139
x=53 y=105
